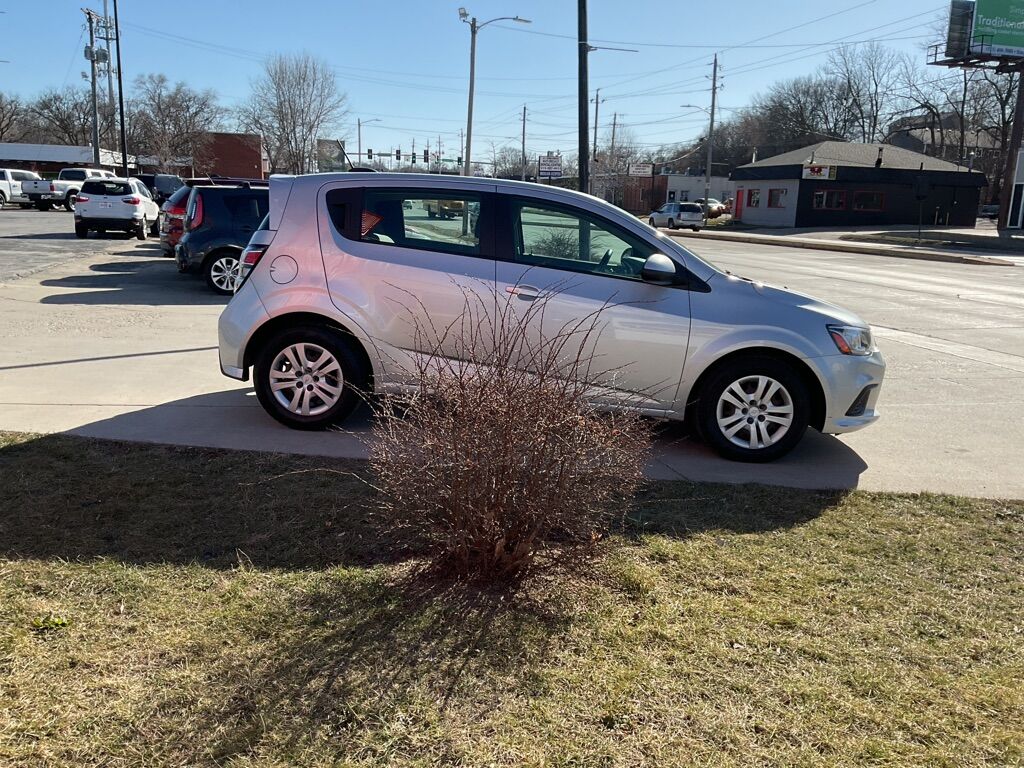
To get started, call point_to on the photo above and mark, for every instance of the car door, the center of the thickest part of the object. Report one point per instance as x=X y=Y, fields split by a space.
x=149 y=208
x=586 y=270
x=660 y=216
x=419 y=284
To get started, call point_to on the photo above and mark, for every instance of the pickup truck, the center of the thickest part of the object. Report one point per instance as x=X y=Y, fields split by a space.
x=63 y=190
x=10 y=186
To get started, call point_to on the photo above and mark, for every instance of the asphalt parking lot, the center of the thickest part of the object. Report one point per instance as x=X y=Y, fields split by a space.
x=103 y=337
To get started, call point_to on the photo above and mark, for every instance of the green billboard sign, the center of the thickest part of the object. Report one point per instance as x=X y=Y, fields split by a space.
x=999 y=28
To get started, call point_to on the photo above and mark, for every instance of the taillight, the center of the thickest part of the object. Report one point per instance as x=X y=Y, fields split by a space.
x=82 y=199
x=175 y=212
x=197 y=214
x=53 y=187
x=250 y=258
x=133 y=200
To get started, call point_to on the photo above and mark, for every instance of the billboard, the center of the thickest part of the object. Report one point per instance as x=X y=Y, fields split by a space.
x=999 y=28
x=549 y=166
x=641 y=169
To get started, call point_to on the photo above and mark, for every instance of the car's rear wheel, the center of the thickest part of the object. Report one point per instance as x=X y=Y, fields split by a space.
x=70 y=200
x=154 y=229
x=81 y=230
x=222 y=272
x=141 y=229
x=309 y=377
x=44 y=205
x=753 y=409
x=695 y=229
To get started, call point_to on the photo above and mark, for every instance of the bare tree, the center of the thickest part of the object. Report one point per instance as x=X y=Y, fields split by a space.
x=12 y=117
x=64 y=116
x=173 y=122
x=295 y=101
x=869 y=75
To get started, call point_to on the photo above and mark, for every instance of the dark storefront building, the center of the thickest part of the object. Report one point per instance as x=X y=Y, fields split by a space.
x=841 y=184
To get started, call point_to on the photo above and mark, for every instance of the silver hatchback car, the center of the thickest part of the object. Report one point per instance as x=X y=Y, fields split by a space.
x=674 y=215
x=331 y=276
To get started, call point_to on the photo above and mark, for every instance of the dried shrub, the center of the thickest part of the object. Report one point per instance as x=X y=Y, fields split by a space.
x=503 y=466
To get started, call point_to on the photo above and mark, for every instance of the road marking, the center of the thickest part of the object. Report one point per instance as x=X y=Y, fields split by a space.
x=953 y=348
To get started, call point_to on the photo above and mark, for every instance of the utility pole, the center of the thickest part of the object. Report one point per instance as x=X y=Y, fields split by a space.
x=91 y=16
x=107 y=37
x=439 y=164
x=522 y=174
x=711 y=139
x=597 y=107
x=583 y=95
x=120 y=95
x=611 y=149
x=462 y=148
x=414 y=151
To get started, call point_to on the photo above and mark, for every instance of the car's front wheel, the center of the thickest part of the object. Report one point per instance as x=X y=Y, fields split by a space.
x=753 y=409
x=671 y=224
x=222 y=272
x=81 y=230
x=309 y=377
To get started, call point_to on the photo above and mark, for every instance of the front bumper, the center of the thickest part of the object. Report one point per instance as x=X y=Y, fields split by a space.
x=846 y=377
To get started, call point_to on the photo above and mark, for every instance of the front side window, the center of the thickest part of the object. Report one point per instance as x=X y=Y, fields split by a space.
x=868 y=201
x=830 y=200
x=753 y=198
x=777 y=198
x=426 y=220
x=562 y=238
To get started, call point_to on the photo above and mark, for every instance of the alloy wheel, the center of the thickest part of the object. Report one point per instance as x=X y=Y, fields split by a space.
x=225 y=273
x=306 y=379
x=754 y=412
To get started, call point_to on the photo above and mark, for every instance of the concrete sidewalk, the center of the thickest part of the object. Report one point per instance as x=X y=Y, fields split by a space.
x=830 y=241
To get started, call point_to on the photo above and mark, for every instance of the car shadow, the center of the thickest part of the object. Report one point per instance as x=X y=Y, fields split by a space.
x=154 y=281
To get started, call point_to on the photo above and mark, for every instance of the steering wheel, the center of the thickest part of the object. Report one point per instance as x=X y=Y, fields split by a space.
x=605 y=259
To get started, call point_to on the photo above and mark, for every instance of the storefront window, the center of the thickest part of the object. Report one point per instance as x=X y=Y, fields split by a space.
x=753 y=198
x=777 y=198
x=830 y=200
x=868 y=201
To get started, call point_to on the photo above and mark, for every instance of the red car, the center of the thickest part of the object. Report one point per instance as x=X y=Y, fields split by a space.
x=172 y=219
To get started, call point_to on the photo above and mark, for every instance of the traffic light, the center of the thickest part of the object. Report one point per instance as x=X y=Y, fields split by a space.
x=398 y=155
x=426 y=156
x=369 y=154
x=458 y=161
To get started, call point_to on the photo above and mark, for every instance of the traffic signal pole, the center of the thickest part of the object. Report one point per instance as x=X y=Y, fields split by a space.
x=583 y=97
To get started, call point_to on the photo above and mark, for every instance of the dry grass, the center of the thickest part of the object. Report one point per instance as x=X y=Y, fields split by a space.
x=214 y=617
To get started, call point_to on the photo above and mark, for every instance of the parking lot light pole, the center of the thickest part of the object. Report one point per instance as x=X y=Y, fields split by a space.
x=359 y=135
x=474 y=27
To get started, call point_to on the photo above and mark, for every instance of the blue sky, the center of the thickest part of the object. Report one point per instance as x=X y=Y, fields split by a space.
x=405 y=62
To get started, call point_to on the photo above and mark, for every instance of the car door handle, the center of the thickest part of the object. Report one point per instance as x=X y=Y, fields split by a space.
x=525 y=292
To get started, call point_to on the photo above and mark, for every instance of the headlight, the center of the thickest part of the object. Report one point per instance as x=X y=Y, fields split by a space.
x=851 y=340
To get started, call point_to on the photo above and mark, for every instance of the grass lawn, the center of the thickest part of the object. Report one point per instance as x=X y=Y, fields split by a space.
x=167 y=606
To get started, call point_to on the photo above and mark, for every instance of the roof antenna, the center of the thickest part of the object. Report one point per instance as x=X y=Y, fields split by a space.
x=352 y=166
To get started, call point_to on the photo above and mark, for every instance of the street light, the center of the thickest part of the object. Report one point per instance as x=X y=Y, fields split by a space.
x=475 y=27
x=359 y=135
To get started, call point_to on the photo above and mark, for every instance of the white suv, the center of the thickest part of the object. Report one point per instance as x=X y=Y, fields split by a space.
x=342 y=259
x=124 y=205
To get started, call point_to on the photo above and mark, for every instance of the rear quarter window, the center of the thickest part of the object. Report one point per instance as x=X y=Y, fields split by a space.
x=73 y=176
x=106 y=187
x=690 y=208
x=247 y=207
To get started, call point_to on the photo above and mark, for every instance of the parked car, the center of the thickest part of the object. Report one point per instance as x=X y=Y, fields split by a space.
x=123 y=205
x=324 y=313
x=674 y=215
x=160 y=185
x=11 y=180
x=443 y=209
x=715 y=208
x=988 y=212
x=63 y=190
x=172 y=216
x=219 y=220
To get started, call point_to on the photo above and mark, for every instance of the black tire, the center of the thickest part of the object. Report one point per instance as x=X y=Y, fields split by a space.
x=154 y=229
x=695 y=229
x=25 y=206
x=3 y=200
x=81 y=230
x=353 y=372
x=671 y=224
x=227 y=260
x=735 y=371
x=44 y=205
x=141 y=229
x=651 y=222
x=70 y=199
x=430 y=214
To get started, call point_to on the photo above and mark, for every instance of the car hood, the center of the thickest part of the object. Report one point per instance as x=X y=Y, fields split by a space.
x=797 y=300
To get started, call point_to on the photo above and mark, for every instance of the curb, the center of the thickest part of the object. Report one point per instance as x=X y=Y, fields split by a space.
x=845 y=247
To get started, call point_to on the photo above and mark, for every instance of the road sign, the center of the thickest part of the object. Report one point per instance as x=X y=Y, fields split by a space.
x=641 y=169
x=549 y=167
x=999 y=28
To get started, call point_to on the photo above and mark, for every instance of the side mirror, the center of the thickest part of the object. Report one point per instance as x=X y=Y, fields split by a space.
x=659 y=269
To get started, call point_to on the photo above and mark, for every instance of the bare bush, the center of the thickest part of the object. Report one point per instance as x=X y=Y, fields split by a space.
x=505 y=464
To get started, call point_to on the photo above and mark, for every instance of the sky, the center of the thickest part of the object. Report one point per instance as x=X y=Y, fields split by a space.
x=404 y=64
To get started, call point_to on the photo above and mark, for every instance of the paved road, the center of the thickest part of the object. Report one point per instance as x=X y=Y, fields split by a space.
x=110 y=341
x=33 y=240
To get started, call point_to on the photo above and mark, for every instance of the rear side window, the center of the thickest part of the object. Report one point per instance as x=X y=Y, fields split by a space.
x=180 y=197
x=106 y=187
x=427 y=220
x=23 y=176
x=690 y=208
x=247 y=208
x=73 y=176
